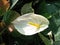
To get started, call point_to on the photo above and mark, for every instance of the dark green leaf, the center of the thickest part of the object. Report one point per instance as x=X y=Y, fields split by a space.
x=27 y=8
x=56 y=43
x=9 y=16
x=44 y=39
x=52 y=10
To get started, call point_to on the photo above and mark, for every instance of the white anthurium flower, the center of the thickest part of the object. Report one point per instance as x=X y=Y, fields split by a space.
x=30 y=24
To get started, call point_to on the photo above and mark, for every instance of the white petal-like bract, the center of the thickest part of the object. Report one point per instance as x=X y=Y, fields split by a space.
x=30 y=24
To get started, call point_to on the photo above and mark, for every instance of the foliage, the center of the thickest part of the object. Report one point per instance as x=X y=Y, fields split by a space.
x=48 y=8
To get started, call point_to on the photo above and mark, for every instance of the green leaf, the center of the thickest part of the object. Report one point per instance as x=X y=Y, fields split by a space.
x=56 y=43
x=55 y=25
x=57 y=35
x=46 y=9
x=43 y=10
x=9 y=16
x=27 y=8
x=51 y=10
x=13 y=3
x=44 y=39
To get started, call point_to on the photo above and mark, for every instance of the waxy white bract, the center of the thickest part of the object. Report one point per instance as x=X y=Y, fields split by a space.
x=30 y=24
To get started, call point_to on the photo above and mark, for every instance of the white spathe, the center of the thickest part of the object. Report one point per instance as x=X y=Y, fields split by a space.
x=30 y=23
